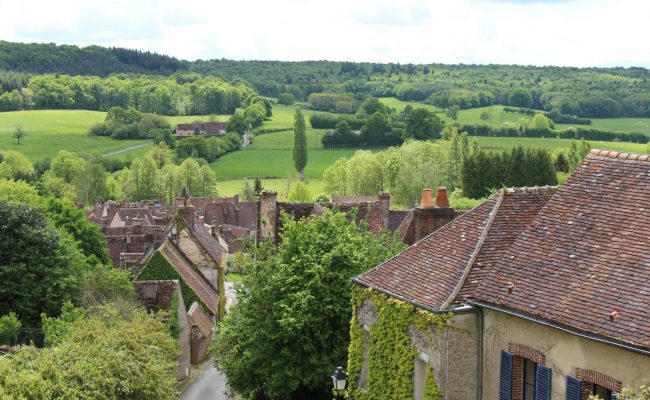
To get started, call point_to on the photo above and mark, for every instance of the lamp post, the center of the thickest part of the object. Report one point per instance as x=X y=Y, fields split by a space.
x=339 y=381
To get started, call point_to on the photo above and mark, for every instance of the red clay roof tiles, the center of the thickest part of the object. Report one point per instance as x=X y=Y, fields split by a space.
x=586 y=255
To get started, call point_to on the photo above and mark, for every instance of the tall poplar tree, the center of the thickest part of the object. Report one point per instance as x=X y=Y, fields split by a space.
x=299 y=143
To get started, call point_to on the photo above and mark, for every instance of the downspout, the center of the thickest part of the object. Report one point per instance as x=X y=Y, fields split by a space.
x=479 y=361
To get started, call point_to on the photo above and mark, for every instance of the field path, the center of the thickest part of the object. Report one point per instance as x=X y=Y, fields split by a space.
x=114 y=153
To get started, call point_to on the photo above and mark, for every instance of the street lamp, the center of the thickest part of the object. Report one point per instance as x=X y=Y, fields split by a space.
x=339 y=381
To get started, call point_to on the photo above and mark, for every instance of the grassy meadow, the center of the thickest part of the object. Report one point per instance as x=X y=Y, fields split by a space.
x=269 y=157
x=48 y=131
x=498 y=117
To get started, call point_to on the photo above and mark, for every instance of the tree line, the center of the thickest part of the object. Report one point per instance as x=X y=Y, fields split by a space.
x=40 y=58
x=178 y=94
x=457 y=163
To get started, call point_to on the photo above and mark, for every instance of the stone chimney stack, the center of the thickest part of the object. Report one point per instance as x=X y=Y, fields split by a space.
x=384 y=201
x=187 y=211
x=429 y=216
x=268 y=213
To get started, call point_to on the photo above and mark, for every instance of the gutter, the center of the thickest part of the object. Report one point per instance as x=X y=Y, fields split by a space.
x=563 y=328
x=479 y=360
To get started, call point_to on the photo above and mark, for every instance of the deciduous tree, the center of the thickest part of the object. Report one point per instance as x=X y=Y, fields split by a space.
x=291 y=324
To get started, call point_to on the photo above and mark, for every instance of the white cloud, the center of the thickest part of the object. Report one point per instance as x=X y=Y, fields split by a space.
x=539 y=32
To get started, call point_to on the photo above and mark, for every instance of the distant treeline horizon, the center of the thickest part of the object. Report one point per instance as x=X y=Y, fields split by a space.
x=593 y=92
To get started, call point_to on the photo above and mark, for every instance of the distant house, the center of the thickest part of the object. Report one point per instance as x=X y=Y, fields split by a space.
x=538 y=293
x=203 y=128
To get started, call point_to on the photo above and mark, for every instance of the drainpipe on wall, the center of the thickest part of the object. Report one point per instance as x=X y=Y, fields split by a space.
x=479 y=361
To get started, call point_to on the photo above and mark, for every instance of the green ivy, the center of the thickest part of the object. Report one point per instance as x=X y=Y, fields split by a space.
x=392 y=353
x=159 y=268
x=174 y=325
x=221 y=287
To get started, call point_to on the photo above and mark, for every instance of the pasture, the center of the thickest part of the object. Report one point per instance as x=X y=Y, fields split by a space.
x=498 y=117
x=48 y=131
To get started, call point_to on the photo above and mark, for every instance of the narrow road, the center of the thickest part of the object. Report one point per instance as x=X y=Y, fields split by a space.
x=116 y=152
x=211 y=385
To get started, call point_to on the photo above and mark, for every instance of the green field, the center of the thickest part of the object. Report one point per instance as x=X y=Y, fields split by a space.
x=48 y=131
x=498 y=118
x=501 y=143
x=281 y=186
x=270 y=154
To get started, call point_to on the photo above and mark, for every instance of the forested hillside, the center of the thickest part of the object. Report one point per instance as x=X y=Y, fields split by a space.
x=582 y=92
x=92 y=60
x=585 y=92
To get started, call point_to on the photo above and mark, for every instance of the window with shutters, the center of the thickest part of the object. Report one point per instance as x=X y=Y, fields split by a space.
x=523 y=377
x=594 y=383
x=529 y=373
x=601 y=391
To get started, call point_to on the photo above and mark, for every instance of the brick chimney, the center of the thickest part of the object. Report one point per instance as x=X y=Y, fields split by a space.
x=268 y=213
x=186 y=211
x=428 y=217
x=384 y=201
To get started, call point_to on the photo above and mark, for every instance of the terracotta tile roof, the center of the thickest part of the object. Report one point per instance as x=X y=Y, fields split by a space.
x=210 y=244
x=444 y=266
x=191 y=276
x=242 y=214
x=232 y=235
x=584 y=261
x=199 y=318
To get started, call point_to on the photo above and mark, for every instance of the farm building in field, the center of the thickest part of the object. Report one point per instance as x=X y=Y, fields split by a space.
x=202 y=128
x=538 y=293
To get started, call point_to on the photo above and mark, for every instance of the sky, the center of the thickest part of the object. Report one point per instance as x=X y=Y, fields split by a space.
x=577 y=33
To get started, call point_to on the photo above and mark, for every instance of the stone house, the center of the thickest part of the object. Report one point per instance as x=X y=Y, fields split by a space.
x=538 y=293
x=202 y=128
x=167 y=296
x=192 y=255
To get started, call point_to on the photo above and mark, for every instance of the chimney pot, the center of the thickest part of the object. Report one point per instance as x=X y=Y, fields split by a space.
x=441 y=197
x=427 y=199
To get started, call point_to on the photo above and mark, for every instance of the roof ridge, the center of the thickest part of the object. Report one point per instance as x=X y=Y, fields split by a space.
x=455 y=220
x=619 y=155
x=477 y=250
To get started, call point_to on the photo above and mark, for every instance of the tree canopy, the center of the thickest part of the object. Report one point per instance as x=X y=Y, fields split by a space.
x=290 y=327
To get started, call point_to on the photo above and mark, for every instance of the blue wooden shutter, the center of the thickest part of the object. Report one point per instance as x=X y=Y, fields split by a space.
x=505 y=385
x=543 y=383
x=573 y=388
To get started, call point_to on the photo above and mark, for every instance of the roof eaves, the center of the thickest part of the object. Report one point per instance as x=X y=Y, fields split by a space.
x=398 y=297
x=563 y=327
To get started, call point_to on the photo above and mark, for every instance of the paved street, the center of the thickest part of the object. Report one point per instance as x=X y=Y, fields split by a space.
x=211 y=385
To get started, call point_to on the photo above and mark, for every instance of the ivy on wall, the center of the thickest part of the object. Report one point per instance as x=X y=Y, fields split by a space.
x=159 y=268
x=392 y=353
x=221 y=288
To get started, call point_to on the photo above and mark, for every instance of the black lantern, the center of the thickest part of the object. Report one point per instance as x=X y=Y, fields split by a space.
x=339 y=380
